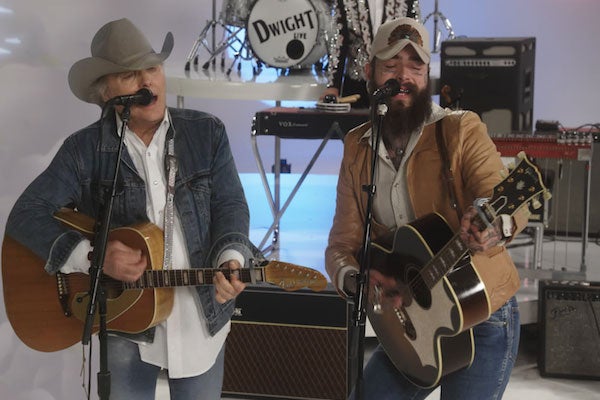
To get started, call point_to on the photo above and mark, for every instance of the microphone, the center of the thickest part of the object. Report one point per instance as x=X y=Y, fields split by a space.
x=142 y=97
x=390 y=88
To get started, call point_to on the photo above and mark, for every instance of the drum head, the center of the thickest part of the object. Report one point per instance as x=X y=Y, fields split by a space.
x=282 y=33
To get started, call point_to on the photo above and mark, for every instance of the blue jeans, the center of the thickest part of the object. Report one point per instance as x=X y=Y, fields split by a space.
x=133 y=379
x=496 y=346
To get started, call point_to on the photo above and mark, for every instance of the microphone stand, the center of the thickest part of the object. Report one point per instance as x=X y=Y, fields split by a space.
x=97 y=293
x=362 y=279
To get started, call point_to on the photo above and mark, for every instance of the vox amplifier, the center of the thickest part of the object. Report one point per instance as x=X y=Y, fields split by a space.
x=290 y=345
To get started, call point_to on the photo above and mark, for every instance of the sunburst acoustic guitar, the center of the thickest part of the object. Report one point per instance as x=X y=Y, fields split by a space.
x=47 y=311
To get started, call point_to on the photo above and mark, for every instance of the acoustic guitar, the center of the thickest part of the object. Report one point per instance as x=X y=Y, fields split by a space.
x=47 y=311
x=431 y=335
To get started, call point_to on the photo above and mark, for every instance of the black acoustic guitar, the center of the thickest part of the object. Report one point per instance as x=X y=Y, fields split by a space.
x=430 y=335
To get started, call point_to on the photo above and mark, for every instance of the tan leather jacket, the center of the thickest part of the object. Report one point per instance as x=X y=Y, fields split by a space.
x=476 y=167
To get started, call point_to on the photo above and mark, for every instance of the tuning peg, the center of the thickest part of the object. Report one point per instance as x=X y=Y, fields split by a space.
x=510 y=165
x=503 y=174
x=536 y=203
x=547 y=195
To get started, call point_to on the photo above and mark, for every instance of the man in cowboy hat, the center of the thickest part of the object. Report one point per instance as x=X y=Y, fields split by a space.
x=176 y=171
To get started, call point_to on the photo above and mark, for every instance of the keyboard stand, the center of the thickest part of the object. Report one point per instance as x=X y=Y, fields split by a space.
x=273 y=196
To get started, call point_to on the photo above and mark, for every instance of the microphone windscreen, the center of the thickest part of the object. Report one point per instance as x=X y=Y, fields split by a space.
x=146 y=96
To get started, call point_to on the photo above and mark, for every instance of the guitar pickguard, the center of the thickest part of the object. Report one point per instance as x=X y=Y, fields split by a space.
x=429 y=323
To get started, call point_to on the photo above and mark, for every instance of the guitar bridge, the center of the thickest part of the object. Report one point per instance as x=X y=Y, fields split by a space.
x=62 y=287
x=409 y=328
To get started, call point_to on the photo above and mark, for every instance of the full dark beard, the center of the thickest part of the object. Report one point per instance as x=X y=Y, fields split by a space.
x=401 y=120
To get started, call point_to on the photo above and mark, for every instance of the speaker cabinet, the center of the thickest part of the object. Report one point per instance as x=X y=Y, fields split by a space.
x=569 y=316
x=289 y=345
x=491 y=76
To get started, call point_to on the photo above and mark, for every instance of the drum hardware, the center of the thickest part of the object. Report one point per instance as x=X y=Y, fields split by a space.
x=437 y=34
x=232 y=24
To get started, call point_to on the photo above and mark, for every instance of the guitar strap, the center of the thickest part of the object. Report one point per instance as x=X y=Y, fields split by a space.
x=171 y=166
x=446 y=169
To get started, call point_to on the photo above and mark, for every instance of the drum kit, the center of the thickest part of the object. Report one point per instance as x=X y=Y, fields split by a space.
x=287 y=34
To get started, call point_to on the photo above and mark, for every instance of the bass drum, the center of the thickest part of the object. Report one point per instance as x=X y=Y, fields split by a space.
x=289 y=33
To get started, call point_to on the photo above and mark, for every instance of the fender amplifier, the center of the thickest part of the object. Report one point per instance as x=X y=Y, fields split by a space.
x=569 y=316
x=290 y=345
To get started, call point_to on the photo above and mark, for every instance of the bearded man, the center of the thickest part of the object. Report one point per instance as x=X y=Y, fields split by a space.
x=429 y=160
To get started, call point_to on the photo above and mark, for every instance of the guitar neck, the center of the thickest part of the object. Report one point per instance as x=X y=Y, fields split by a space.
x=522 y=185
x=191 y=277
x=444 y=261
x=455 y=249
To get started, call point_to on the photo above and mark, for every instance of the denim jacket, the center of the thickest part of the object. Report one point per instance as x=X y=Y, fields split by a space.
x=209 y=197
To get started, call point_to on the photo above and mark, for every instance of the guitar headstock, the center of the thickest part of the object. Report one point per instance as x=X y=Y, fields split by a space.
x=293 y=277
x=523 y=186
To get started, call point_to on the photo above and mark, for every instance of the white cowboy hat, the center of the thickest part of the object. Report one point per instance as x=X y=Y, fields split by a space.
x=118 y=46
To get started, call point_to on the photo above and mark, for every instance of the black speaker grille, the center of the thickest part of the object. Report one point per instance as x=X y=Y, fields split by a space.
x=286 y=361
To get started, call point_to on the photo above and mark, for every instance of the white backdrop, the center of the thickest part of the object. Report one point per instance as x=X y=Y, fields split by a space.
x=40 y=39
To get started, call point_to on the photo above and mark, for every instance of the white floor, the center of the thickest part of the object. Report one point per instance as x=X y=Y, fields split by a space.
x=302 y=239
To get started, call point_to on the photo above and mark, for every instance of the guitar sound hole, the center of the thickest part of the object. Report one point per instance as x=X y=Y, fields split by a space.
x=418 y=287
x=112 y=287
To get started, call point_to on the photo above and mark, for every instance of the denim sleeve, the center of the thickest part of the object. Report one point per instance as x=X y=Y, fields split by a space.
x=31 y=220
x=229 y=211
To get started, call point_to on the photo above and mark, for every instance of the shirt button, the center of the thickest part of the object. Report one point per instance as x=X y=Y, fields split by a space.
x=155 y=183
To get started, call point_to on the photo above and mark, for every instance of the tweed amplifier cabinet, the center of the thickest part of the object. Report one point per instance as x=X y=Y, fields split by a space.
x=491 y=76
x=290 y=345
x=569 y=316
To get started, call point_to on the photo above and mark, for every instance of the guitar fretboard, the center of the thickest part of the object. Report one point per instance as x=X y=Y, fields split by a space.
x=444 y=261
x=190 y=277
